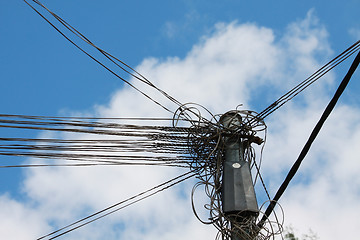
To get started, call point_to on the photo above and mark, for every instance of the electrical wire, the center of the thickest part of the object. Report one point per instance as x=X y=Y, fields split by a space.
x=118 y=63
x=129 y=144
x=207 y=149
x=311 y=139
x=199 y=146
x=310 y=80
x=118 y=206
x=192 y=142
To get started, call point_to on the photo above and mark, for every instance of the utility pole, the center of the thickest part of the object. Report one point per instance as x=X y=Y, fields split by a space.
x=238 y=195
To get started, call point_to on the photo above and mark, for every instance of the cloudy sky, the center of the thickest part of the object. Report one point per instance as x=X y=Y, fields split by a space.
x=216 y=53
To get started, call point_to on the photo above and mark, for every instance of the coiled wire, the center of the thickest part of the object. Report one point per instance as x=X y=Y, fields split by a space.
x=206 y=144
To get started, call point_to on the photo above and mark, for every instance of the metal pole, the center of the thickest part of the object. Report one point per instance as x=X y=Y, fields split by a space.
x=238 y=195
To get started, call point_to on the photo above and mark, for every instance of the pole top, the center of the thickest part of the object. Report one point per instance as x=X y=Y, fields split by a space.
x=231 y=120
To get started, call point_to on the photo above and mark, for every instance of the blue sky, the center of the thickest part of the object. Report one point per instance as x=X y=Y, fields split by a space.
x=42 y=74
x=37 y=58
x=132 y=31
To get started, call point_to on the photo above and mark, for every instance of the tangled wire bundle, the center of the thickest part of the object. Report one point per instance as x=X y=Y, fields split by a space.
x=207 y=143
x=192 y=142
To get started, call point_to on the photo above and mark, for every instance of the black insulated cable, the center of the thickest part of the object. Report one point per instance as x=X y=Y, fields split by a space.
x=311 y=139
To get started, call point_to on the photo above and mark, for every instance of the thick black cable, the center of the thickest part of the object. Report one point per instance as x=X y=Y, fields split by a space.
x=311 y=139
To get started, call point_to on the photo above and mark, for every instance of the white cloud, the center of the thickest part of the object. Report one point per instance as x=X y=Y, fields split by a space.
x=355 y=33
x=19 y=221
x=236 y=64
x=327 y=191
x=188 y=23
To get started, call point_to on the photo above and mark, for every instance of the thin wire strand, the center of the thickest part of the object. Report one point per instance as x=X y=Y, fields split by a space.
x=118 y=206
x=329 y=108
x=114 y=60
x=130 y=144
x=310 y=80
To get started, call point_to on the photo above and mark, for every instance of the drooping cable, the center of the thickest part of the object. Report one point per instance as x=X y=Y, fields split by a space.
x=310 y=80
x=205 y=154
x=118 y=206
x=311 y=139
x=123 y=66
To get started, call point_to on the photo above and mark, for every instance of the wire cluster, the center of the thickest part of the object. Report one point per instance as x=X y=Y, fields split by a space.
x=206 y=144
x=90 y=141
x=192 y=142
x=199 y=145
